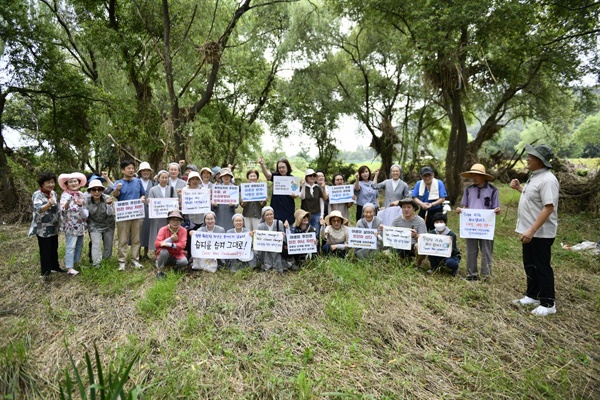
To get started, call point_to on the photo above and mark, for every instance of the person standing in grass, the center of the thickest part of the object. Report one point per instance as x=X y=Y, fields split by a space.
x=429 y=193
x=439 y=228
x=363 y=190
x=252 y=209
x=73 y=217
x=338 y=180
x=283 y=205
x=395 y=189
x=481 y=195
x=310 y=195
x=144 y=173
x=225 y=212
x=537 y=224
x=101 y=222
x=170 y=244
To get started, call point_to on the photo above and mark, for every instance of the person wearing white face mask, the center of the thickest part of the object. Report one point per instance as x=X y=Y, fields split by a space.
x=440 y=228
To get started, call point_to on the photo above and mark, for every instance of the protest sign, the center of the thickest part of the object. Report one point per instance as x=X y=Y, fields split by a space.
x=226 y=194
x=435 y=245
x=270 y=241
x=397 y=238
x=340 y=194
x=286 y=185
x=302 y=243
x=362 y=238
x=221 y=245
x=254 y=191
x=477 y=224
x=389 y=214
x=195 y=201
x=129 y=209
x=160 y=207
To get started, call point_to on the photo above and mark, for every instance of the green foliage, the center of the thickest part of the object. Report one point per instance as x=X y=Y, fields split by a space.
x=159 y=298
x=587 y=136
x=18 y=378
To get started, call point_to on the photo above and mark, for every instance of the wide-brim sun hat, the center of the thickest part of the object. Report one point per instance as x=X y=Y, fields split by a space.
x=541 y=151
x=64 y=178
x=175 y=214
x=193 y=174
x=299 y=215
x=143 y=166
x=477 y=169
x=226 y=171
x=333 y=214
x=207 y=170
x=409 y=200
x=310 y=172
x=94 y=184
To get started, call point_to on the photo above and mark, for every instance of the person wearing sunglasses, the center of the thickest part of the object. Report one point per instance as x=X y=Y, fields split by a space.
x=101 y=222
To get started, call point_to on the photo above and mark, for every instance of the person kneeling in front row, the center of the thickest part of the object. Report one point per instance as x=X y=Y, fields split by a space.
x=440 y=228
x=170 y=244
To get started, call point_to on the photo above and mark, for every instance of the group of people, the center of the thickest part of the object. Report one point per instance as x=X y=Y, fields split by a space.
x=421 y=211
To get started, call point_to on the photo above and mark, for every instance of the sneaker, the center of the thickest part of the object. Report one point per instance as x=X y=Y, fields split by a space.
x=59 y=269
x=72 y=271
x=160 y=275
x=430 y=271
x=136 y=264
x=527 y=301
x=121 y=266
x=543 y=311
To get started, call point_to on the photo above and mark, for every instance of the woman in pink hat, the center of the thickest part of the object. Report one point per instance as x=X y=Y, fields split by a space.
x=73 y=216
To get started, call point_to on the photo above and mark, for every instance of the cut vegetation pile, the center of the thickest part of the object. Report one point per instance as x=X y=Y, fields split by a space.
x=376 y=329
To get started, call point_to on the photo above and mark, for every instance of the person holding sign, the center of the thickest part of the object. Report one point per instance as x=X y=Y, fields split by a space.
x=410 y=219
x=252 y=209
x=395 y=188
x=237 y=264
x=338 y=180
x=537 y=224
x=429 y=193
x=160 y=191
x=363 y=190
x=206 y=176
x=170 y=244
x=301 y=225
x=283 y=205
x=73 y=217
x=101 y=222
x=207 y=264
x=440 y=228
x=271 y=260
x=128 y=188
x=225 y=212
x=144 y=172
x=310 y=196
x=481 y=195
x=369 y=221
x=335 y=234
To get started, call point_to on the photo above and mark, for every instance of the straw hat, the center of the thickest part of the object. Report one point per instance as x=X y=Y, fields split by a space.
x=409 y=200
x=63 y=178
x=477 y=169
x=299 y=215
x=174 y=214
x=144 y=165
x=541 y=151
x=333 y=214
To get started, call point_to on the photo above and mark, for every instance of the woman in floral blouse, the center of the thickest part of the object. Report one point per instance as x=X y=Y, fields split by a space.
x=73 y=216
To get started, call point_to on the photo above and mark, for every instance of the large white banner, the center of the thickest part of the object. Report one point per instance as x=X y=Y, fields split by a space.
x=221 y=245
x=362 y=238
x=270 y=241
x=302 y=243
x=160 y=207
x=435 y=245
x=286 y=185
x=195 y=201
x=254 y=191
x=129 y=209
x=340 y=194
x=226 y=194
x=397 y=238
x=477 y=224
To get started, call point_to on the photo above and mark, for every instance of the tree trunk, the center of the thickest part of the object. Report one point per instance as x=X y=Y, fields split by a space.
x=385 y=146
x=457 y=148
x=7 y=186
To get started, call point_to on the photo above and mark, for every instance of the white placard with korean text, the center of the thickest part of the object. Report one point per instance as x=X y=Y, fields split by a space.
x=221 y=245
x=477 y=224
x=254 y=191
x=302 y=243
x=340 y=194
x=362 y=238
x=195 y=201
x=270 y=241
x=160 y=207
x=286 y=185
x=126 y=210
x=397 y=238
x=225 y=194
x=435 y=245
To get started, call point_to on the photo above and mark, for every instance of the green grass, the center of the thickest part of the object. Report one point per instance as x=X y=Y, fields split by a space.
x=159 y=298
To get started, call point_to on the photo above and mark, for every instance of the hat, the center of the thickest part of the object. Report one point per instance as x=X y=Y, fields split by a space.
x=215 y=171
x=191 y=167
x=63 y=178
x=426 y=170
x=193 y=174
x=477 y=169
x=95 y=183
x=409 y=200
x=541 y=151
x=333 y=214
x=144 y=165
x=174 y=214
x=207 y=170
x=95 y=177
x=226 y=171
x=310 y=172
x=299 y=215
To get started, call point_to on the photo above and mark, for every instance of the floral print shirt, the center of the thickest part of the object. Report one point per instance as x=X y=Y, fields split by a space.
x=74 y=217
x=44 y=224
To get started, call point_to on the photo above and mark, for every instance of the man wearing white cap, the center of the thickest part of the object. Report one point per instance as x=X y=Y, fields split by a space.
x=537 y=224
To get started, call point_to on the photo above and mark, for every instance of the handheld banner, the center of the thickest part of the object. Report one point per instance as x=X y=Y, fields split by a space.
x=397 y=238
x=129 y=209
x=195 y=201
x=226 y=194
x=269 y=241
x=221 y=245
x=340 y=194
x=160 y=207
x=302 y=243
x=477 y=224
x=435 y=245
x=362 y=238
x=254 y=191
x=286 y=185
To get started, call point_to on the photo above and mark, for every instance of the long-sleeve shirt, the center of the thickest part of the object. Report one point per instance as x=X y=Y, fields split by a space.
x=165 y=233
x=101 y=215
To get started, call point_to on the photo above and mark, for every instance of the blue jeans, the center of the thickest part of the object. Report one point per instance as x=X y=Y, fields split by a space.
x=314 y=222
x=74 y=246
x=450 y=262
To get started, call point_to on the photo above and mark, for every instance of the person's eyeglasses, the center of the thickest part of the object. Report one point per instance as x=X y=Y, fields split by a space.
x=95 y=190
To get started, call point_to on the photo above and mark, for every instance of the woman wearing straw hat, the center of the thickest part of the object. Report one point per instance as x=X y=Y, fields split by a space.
x=481 y=195
x=301 y=225
x=144 y=172
x=73 y=217
x=170 y=244
x=101 y=221
x=335 y=234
